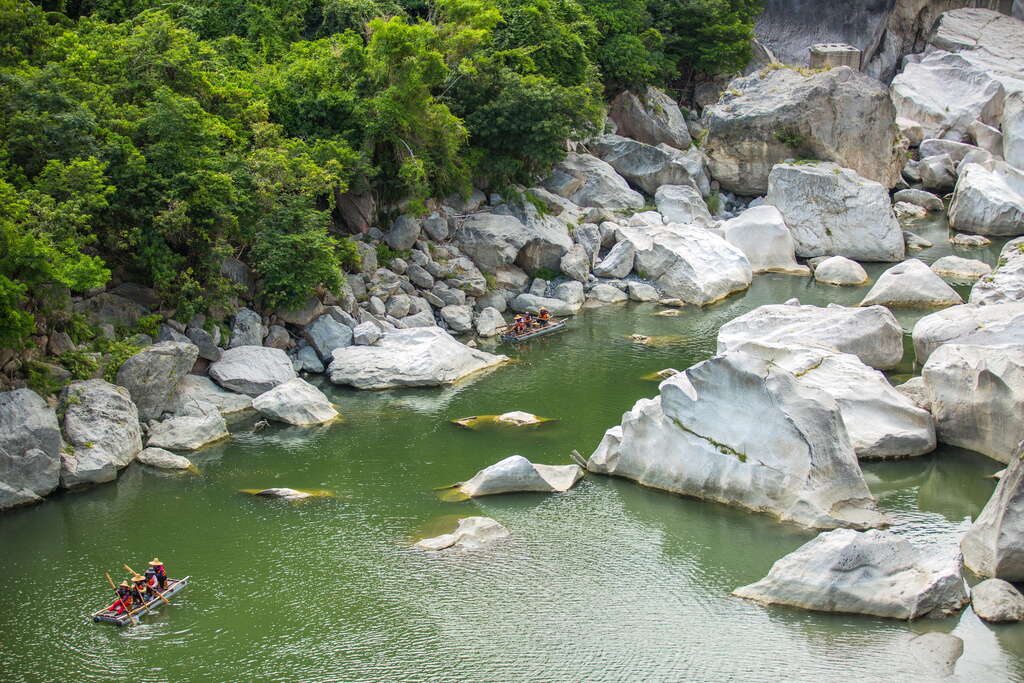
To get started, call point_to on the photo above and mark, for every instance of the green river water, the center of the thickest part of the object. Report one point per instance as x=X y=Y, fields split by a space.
x=608 y=582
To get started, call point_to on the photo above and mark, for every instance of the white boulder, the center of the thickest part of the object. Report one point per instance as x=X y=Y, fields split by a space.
x=832 y=210
x=997 y=601
x=872 y=334
x=618 y=263
x=489 y=322
x=296 y=402
x=988 y=202
x=531 y=303
x=30 y=448
x=969 y=324
x=1013 y=130
x=194 y=388
x=606 y=294
x=472 y=533
x=101 y=424
x=640 y=291
x=761 y=234
x=458 y=318
x=164 y=460
x=422 y=356
x=252 y=370
x=188 y=432
x=872 y=572
x=839 y=270
x=959 y=268
x=1006 y=283
x=683 y=204
x=911 y=283
x=152 y=376
x=365 y=334
x=651 y=117
x=516 y=474
x=994 y=545
x=587 y=181
x=926 y=200
x=648 y=167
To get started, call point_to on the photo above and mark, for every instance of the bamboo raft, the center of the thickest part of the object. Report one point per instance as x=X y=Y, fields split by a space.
x=105 y=614
x=554 y=325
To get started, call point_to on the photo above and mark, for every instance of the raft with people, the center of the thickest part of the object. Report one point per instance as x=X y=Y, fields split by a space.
x=141 y=596
x=526 y=326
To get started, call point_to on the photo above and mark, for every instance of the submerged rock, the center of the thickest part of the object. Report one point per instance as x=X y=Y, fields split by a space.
x=516 y=418
x=872 y=334
x=833 y=211
x=423 y=356
x=936 y=653
x=165 y=460
x=1006 y=283
x=516 y=474
x=472 y=533
x=295 y=402
x=911 y=283
x=30 y=448
x=997 y=601
x=994 y=545
x=872 y=572
x=152 y=376
x=252 y=370
x=787 y=453
x=283 y=494
x=102 y=425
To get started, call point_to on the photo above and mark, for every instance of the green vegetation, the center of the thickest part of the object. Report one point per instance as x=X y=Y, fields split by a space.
x=160 y=138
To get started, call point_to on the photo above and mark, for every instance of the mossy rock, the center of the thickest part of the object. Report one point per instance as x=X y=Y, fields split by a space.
x=515 y=418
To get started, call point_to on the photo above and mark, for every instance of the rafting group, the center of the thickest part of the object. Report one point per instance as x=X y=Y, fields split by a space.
x=525 y=322
x=142 y=589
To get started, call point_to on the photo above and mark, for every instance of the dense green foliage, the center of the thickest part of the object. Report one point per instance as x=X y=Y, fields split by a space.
x=160 y=138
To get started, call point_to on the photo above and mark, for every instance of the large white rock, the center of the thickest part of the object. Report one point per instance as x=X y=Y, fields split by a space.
x=994 y=545
x=651 y=117
x=164 y=460
x=606 y=294
x=472 y=533
x=531 y=303
x=969 y=324
x=977 y=396
x=881 y=422
x=945 y=93
x=871 y=572
x=647 y=167
x=252 y=370
x=988 y=202
x=832 y=210
x=911 y=283
x=1006 y=283
x=493 y=240
x=576 y=263
x=246 y=328
x=997 y=601
x=687 y=262
x=872 y=334
x=743 y=431
x=926 y=200
x=152 y=376
x=960 y=268
x=617 y=263
x=836 y=115
x=992 y=42
x=683 y=204
x=422 y=356
x=326 y=334
x=188 y=432
x=101 y=424
x=488 y=322
x=1013 y=129
x=193 y=389
x=458 y=318
x=761 y=234
x=516 y=474
x=839 y=270
x=30 y=448
x=296 y=402
x=585 y=180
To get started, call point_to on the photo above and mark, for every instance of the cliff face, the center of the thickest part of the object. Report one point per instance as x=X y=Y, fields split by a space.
x=885 y=30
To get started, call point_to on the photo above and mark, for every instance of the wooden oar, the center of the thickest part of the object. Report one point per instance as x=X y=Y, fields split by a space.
x=135 y=622
x=151 y=588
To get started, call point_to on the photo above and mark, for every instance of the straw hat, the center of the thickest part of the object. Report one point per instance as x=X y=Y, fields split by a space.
x=154 y=562
x=138 y=578
x=125 y=584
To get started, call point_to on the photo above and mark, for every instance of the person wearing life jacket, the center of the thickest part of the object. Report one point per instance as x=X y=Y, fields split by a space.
x=139 y=590
x=151 y=582
x=124 y=595
x=161 y=573
x=519 y=326
x=544 y=317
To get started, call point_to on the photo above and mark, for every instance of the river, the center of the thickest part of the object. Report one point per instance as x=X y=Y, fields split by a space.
x=608 y=582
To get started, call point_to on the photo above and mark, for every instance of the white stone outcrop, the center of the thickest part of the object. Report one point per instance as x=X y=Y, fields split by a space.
x=193 y=389
x=295 y=402
x=683 y=204
x=1006 y=283
x=833 y=211
x=252 y=370
x=969 y=324
x=494 y=240
x=926 y=200
x=997 y=601
x=1013 y=129
x=164 y=460
x=958 y=268
x=585 y=180
x=489 y=322
x=30 y=448
x=841 y=271
x=618 y=262
x=992 y=42
x=648 y=167
x=872 y=334
x=687 y=262
x=977 y=396
x=988 y=202
x=188 y=432
x=837 y=115
x=761 y=234
x=101 y=424
x=787 y=453
x=423 y=356
x=994 y=545
x=651 y=117
x=472 y=533
x=911 y=283
x=516 y=474
x=152 y=375
x=872 y=572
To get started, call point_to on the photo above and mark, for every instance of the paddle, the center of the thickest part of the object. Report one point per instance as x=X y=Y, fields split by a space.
x=151 y=588
x=135 y=622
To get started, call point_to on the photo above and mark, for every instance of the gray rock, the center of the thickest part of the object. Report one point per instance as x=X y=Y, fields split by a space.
x=837 y=115
x=832 y=211
x=974 y=324
x=989 y=202
x=458 y=318
x=246 y=329
x=907 y=211
x=189 y=432
x=839 y=270
x=956 y=150
x=365 y=334
x=926 y=200
x=240 y=274
x=651 y=117
x=1013 y=130
x=436 y=227
x=516 y=474
x=557 y=307
x=570 y=292
x=193 y=389
x=986 y=137
x=420 y=277
x=872 y=334
x=937 y=172
x=576 y=263
x=990 y=41
x=489 y=322
x=588 y=236
x=969 y=241
x=403 y=233
x=960 y=268
x=587 y=181
x=915 y=242
x=872 y=572
x=376 y=306
x=911 y=283
x=761 y=234
x=993 y=545
x=304 y=314
x=107 y=308
x=421 y=319
x=425 y=356
x=915 y=390
x=1006 y=283
x=277 y=338
x=997 y=601
x=168 y=333
x=206 y=342
x=164 y=460
x=153 y=374
x=308 y=360
x=618 y=263
x=682 y=204
x=640 y=291
x=398 y=306
x=252 y=370
x=30 y=448
x=607 y=294
x=472 y=533
x=295 y=402
x=647 y=167
x=101 y=424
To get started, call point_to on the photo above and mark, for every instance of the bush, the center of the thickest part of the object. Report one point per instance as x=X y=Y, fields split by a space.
x=117 y=352
x=81 y=364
